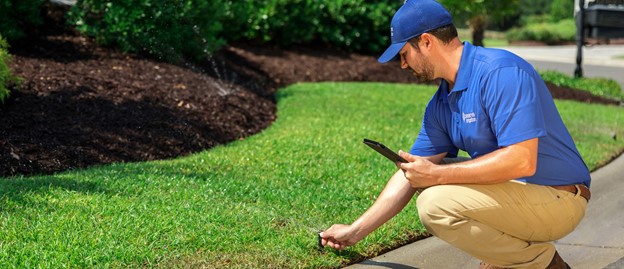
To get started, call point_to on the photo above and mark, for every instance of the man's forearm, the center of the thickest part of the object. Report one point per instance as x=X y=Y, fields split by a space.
x=390 y=202
x=516 y=161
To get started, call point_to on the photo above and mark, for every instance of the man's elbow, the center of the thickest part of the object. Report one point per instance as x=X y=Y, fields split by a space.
x=527 y=168
x=525 y=154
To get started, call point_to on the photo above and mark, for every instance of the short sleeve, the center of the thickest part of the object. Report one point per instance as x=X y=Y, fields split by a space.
x=434 y=138
x=511 y=100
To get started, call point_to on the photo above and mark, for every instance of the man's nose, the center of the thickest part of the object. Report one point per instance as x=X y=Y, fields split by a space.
x=403 y=64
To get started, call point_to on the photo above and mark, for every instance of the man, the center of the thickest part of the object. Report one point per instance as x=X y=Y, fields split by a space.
x=525 y=184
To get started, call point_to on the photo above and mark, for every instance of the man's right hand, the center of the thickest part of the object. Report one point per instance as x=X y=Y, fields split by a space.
x=339 y=236
x=391 y=201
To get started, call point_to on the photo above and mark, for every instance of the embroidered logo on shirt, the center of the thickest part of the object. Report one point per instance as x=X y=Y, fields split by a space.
x=469 y=117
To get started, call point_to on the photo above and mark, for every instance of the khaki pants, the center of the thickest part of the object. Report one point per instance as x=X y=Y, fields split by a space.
x=509 y=224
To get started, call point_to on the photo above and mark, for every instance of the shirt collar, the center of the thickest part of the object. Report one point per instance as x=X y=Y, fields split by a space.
x=465 y=68
x=443 y=92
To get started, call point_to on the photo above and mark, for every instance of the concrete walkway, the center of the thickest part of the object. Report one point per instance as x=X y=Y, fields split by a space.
x=598 y=241
x=605 y=61
x=602 y=55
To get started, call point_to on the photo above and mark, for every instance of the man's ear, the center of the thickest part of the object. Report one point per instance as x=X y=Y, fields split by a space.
x=426 y=40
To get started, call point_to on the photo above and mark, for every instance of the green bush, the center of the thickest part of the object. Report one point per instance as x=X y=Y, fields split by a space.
x=16 y=17
x=272 y=21
x=170 y=31
x=362 y=26
x=550 y=33
x=353 y=25
x=6 y=77
x=181 y=29
x=193 y=28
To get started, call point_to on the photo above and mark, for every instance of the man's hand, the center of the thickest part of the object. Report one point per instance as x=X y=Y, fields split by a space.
x=418 y=170
x=339 y=236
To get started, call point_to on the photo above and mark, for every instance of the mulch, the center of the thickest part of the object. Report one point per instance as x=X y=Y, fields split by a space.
x=82 y=105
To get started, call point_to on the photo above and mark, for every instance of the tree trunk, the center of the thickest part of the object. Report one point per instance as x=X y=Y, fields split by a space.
x=477 y=25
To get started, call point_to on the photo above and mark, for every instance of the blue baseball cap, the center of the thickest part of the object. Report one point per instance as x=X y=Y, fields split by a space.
x=414 y=18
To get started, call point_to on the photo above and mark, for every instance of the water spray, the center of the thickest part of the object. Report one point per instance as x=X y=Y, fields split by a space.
x=223 y=83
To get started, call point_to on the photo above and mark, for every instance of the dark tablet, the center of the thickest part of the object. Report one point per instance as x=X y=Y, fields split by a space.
x=385 y=151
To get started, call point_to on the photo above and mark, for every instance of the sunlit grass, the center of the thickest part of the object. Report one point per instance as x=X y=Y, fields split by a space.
x=596 y=129
x=255 y=203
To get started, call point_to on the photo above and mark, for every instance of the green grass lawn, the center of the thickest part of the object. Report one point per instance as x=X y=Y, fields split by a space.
x=255 y=203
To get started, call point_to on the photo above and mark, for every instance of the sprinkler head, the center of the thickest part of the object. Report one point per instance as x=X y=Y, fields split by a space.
x=320 y=241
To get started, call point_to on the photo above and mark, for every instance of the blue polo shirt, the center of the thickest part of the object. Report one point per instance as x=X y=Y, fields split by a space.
x=500 y=100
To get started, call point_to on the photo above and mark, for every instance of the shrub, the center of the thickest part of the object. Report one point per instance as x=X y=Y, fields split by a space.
x=550 y=33
x=16 y=17
x=362 y=26
x=194 y=27
x=6 y=77
x=180 y=28
x=354 y=25
x=169 y=31
x=273 y=21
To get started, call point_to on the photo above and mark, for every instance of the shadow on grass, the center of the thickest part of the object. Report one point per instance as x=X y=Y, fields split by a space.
x=17 y=192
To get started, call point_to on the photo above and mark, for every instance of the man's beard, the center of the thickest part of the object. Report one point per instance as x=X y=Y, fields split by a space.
x=425 y=75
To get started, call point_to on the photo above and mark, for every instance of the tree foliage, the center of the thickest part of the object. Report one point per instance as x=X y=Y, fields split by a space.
x=561 y=9
x=535 y=7
x=478 y=13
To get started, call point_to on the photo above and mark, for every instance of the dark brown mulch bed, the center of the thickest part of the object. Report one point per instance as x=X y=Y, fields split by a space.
x=82 y=105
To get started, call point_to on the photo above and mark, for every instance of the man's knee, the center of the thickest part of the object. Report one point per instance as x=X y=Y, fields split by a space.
x=436 y=207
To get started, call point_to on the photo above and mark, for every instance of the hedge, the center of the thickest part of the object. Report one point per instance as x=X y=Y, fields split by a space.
x=177 y=30
x=352 y=25
x=169 y=30
x=195 y=28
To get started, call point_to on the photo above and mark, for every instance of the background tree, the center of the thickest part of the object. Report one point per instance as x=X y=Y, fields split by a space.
x=561 y=9
x=477 y=14
x=535 y=7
